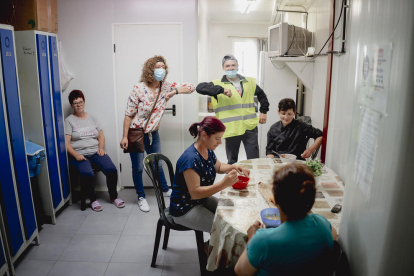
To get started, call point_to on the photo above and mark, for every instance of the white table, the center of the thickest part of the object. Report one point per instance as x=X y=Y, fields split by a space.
x=238 y=209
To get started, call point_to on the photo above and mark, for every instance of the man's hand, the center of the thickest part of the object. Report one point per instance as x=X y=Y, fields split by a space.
x=262 y=118
x=252 y=229
x=101 y=152
x=270 y=156
x=80 y=157
x=306 y=154
x=227 y=92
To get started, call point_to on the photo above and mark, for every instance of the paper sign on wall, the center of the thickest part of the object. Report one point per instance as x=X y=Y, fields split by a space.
x=366 y=149
x=374 y=83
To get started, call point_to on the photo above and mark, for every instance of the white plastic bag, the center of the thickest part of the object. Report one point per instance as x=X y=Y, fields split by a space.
x=65 y=75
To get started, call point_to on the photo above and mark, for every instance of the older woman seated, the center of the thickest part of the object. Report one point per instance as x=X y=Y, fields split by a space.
x=85 y=142
x=303 y=243
x=192 y=202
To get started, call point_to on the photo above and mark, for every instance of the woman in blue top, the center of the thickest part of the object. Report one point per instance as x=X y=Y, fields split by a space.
x=192 y=202
x=302 y=244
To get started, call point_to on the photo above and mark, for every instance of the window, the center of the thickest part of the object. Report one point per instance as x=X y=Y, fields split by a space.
x=245 y=50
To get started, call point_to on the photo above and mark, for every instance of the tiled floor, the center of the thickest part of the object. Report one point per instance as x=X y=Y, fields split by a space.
x=112 y=242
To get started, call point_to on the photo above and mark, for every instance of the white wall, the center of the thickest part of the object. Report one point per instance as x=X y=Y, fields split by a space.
x=85 y=29
x=220 y=44
x=318 y=22
x=375 y=231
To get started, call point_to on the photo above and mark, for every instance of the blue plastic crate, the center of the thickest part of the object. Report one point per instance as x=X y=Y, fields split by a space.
x=35 y=154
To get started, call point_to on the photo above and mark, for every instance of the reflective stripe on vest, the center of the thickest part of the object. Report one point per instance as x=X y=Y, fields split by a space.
x=238 y=118
x=227 y=107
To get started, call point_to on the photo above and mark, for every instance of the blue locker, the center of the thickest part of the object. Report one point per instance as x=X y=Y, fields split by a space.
x=16 y=132
x=48 y=127
x=59 y=120
x=7 y=194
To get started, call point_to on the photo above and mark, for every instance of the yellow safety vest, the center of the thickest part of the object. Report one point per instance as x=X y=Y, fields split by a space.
x=236 y=113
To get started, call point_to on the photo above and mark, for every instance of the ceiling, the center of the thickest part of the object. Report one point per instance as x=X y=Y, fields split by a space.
x=259 y=10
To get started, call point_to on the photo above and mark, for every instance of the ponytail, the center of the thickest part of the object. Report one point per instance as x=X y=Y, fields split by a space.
x=194 y=129
x=209 y=124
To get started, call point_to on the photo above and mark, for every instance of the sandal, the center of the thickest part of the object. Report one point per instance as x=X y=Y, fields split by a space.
x=118 y=202
x=96 y=206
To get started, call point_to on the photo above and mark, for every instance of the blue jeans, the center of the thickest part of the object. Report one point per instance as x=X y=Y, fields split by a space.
x=87 y=177
x=138 y=166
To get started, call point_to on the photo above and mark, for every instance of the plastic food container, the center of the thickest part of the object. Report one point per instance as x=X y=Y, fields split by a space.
x=288 y=158
x=270 y=223
x=242 y=183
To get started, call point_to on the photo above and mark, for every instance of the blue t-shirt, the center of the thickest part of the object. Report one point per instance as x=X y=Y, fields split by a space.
x=180 y=200
x=294 y=248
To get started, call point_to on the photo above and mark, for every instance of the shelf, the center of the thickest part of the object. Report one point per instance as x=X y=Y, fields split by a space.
x=292 y=59
x=301 y=66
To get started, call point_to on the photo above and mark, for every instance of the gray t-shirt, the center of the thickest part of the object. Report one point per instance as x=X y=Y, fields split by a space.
x=237 y=86
x=84 y=134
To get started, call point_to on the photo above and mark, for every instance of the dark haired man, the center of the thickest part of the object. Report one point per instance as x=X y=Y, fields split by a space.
x=289 y=135
x=233 y=103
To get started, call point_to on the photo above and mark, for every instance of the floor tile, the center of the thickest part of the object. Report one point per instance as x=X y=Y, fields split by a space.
x=90 y=248
x=99 y=223
x=78 y=269
x=181 y=250
x=132 y=269
x=34 y=268
x=50 y=248
x=181 y=270
x=141 y=224
x=136 y=249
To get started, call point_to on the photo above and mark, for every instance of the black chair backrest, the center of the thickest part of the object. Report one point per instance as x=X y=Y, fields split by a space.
x=305 y=119
x=151 y=162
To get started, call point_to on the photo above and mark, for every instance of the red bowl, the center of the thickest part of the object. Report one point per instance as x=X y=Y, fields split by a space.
x=242 y=183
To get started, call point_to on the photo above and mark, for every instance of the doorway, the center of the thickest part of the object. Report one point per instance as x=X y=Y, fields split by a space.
x=133 y=45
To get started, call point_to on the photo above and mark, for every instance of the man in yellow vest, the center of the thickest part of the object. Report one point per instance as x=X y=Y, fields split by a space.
x=233 y=103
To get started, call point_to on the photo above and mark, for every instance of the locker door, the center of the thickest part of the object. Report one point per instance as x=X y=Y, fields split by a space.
x=47 y=112
x=7 y=194
x=57 y=104
x=16 y=132
x=2 y=257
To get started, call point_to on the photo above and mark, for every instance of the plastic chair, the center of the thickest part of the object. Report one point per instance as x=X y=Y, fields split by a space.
x=151 y=162
x=308 y=120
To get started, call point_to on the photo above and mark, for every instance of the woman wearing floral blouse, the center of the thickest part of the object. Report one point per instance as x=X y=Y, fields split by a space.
x=140 y=103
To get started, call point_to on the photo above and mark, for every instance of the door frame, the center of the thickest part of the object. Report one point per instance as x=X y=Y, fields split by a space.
x=117 y=127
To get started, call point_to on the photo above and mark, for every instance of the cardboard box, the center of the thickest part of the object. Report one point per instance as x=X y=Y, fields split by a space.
x=40 y=15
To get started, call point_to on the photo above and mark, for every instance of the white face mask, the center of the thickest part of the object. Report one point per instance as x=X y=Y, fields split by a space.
x=159 y=74
x=231 y=74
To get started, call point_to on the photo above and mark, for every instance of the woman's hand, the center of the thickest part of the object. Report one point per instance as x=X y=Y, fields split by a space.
x=270 y=156
x=230 y=178
x=80 y=157
x=101 y=152
x=306 y=154
x=242 y=170
x=124 y=143
x=169 y=95
x=252 y=229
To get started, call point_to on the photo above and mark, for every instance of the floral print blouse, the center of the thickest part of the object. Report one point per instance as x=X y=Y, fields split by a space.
x=141 y=100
